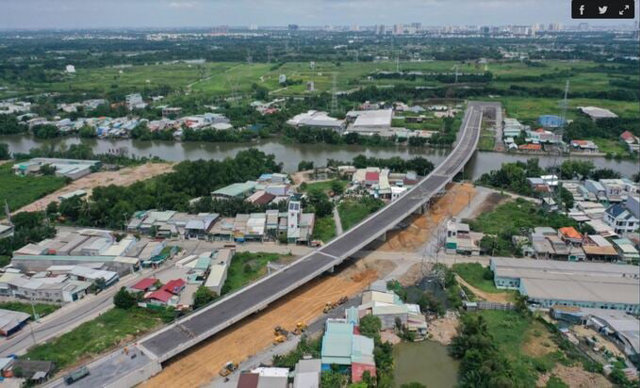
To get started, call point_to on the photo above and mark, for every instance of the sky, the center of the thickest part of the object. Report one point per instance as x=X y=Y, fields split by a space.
x=70 y=14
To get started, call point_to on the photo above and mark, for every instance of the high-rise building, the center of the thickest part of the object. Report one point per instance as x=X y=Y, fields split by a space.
x=398 y=29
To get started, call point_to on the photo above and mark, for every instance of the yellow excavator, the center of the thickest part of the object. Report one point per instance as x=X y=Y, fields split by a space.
x=300 y=328
x=228 y=368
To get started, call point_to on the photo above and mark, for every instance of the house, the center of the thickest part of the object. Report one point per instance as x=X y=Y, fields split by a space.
x=530 y=147
x=135 y=101
x=615 y=189
x=626 y=250
x=161 y=298
x=174 y=286
x=91 y=275
x=631 y=140
x=36 y=372
x=512 y=128
x=621 y=219
x=584 y=145
x=144 y=285
x=598 y=248
x=218 y=270
x=307 y=373
x=596 y=188
x=6 y=231
x=342 y=348
x=570 y=235
x=12 y=321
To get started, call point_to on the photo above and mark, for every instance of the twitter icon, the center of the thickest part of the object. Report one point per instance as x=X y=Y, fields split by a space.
x=602 y=10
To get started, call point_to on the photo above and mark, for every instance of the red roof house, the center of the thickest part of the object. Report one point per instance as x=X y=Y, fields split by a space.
x=144 y=285
x=530 y=147
x=174 y=286
x=161 y=296
x=371 y=177
x=627 y=136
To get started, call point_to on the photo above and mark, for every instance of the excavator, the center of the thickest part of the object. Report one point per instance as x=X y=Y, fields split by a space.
x=228 y=368
x=331 y=305
x=300 y=328
x=280 y=335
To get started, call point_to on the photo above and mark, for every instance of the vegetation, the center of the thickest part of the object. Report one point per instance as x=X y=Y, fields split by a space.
x=96 y=336
x=109 y=206
x=477 y=275
x=513 y=218
x=202 y=297
x=19 y=191
x=353 y=211
x=29 y=227
x=304 y=347
x=324 y=228
x=41 y=309
x=246 y=267
x=123 y=299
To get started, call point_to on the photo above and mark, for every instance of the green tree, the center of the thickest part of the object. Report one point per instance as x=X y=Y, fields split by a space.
x=4 y=151
x=370 y=326
x=413 y=384
x=305 y=165
x=87 y=132
x=123 y=299
x=337 y=187
x=203 y=296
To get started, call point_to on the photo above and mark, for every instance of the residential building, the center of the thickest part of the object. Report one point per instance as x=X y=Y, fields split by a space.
x=218 y=270
x=584 y=145
x=12 y=321
x=135 y=101
x=512 y=128
x=626 y=250
x=632 y=141
x=307 y=373
x=344 y=349
x=598 y=248
x=621 y=219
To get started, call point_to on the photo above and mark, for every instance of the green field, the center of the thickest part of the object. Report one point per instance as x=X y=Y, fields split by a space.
x=353 y=211
x=96 y=336
x=518 y=215
x=322 y=186
x=477 y=275
x=19 y=191
x=42 y=309
x=245 y=268
x=324 y=229
x=611 y=146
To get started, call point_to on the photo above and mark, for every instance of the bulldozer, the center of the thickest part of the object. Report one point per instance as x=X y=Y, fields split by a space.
x=328 y=307
x=228 y=368
x=279 y=339
x=300 y=328
x=343 y=300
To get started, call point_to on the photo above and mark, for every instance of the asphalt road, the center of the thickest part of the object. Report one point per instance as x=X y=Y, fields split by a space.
x=214 y=318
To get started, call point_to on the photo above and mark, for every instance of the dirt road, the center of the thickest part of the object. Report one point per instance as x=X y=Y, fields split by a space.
x=419 y=231
x=122 y=177
x=497 y=297
x=202 y=364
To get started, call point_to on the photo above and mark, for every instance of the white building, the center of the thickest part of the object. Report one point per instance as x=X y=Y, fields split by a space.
x=370 y=121
x=70 y=69
x=316 y=119
x=135 y=101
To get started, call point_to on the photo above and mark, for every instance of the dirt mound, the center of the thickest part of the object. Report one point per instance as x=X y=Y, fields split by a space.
x=575 y=377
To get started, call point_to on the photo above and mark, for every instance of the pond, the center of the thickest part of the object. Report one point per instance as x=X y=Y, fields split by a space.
x=426 y=362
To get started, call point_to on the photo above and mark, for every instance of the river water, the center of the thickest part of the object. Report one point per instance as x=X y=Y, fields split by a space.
x=291 y=154
x=426 y=362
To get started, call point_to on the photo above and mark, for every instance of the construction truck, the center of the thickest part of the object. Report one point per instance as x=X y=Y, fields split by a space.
x=279 y=339
x=228 y=368
x=280 y=335
x=76 y=375
x=328 y=307
x=300 y=328
x=343 y=300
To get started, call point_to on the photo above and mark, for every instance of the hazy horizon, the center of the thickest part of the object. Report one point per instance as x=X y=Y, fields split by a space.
x=113 y=14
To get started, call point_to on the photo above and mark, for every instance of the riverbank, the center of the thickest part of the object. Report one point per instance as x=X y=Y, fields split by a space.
x=291 y=154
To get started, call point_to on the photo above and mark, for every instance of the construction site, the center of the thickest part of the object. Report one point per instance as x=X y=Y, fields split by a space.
x=256 y=334
x=123 y=177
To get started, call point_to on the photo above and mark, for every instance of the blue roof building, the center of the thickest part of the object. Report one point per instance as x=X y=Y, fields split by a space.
x=551 y=121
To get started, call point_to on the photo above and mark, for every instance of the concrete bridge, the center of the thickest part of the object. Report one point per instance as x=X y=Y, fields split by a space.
x=160 y=346
x=194 y=328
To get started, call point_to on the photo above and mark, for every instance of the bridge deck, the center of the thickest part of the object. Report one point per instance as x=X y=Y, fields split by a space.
x=196 y=327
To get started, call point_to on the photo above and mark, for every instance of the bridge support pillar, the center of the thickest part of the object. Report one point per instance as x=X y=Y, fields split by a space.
x=383 y=237
x=331 y=270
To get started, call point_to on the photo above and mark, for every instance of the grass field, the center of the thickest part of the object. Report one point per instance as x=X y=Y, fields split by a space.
x=324 y=229
x=353 y=211
x=477 y=275
x=323 y=186
x=96 y=336
x=517 y=215
x=611 y=146
x=530 y=108
x=41 y=308
x=526 y=343
x=19 y=191
x=246 y=267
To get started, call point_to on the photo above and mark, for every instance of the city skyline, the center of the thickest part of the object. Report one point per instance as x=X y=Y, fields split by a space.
x=88 y=14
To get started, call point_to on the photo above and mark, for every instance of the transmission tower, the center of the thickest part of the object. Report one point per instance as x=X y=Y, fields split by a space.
x=249 y=57
x=564 y=105
x=397 y=63
x=269 y=54
x=334 y=95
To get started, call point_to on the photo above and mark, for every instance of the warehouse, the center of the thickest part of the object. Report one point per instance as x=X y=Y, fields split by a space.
x=592 y=285
x=11 y=321
x=70 y=168
x=370 y=121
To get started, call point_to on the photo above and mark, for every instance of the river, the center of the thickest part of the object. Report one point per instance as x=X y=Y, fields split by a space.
x=425 y=362
x=291 y=154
